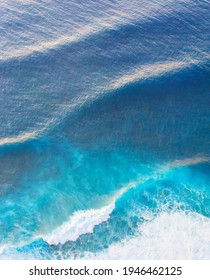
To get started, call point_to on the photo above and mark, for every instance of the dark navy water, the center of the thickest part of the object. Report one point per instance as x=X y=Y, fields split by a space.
x=104 y=129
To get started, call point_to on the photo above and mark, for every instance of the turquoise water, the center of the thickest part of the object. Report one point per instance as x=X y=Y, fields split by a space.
x=105 y=130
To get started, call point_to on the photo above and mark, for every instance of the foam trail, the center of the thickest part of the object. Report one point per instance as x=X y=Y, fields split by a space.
x=176 y=235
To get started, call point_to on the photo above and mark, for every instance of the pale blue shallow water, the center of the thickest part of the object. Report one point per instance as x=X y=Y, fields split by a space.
x=104 y=105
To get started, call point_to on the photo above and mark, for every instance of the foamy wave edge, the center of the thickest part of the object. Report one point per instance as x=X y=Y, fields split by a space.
x=175 y=235
x=83 y=222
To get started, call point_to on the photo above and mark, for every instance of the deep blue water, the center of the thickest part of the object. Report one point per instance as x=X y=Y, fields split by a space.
x=104 y=129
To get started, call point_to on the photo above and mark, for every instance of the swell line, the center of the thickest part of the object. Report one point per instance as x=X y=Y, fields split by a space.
x=19 y=139
x=137 y=75
x=113 y=21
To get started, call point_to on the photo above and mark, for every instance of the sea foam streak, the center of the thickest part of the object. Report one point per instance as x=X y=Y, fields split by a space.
x=176 y=235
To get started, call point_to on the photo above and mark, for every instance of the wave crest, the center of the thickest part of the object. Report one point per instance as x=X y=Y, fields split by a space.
x=81 y=222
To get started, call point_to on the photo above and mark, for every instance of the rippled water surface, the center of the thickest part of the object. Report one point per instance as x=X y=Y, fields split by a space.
x=104 y=129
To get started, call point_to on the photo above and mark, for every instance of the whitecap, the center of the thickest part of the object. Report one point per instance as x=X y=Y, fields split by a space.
x=81 y=222
x=175 y=235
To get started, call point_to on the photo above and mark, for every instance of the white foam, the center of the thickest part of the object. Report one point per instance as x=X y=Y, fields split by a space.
x=177 y=235
x=2 y=248
x=81 y=222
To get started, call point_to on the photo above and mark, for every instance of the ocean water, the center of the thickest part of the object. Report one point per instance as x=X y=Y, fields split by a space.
x=104 y=129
